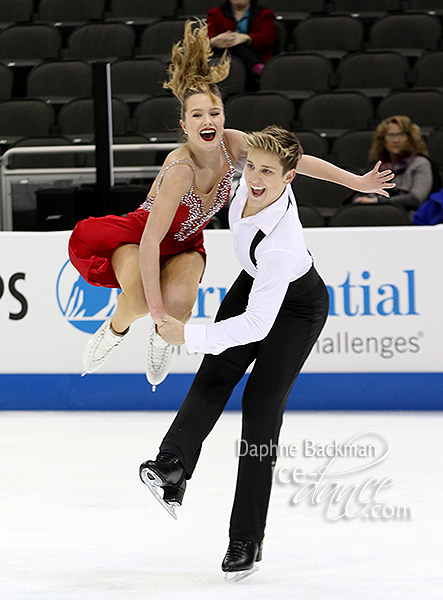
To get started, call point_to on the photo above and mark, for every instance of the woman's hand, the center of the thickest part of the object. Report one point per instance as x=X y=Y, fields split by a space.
x=376 y=182
x=223 y=40
x=229 y=39
x=172 y=330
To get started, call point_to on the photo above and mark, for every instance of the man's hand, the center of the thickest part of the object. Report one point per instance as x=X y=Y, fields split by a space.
x=376 y=182
x=365 y=200
x=172 y=330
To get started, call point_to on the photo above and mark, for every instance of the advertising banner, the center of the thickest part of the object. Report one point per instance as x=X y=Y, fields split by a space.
x=385 y=287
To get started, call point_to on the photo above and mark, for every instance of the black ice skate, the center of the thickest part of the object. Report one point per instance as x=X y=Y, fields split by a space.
x=240 y=558
x=165 y=472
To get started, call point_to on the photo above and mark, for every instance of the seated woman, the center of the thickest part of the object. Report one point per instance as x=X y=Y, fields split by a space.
x=398 y=144
x=246 y=29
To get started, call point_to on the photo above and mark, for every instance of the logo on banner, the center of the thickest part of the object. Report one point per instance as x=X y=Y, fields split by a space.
x=83 y=305
x=363 y=298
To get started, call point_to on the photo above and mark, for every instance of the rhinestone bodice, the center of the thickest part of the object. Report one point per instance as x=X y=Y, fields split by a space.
x=191 y=216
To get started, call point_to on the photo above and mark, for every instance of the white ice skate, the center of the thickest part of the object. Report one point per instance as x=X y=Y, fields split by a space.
x=159 y=358
x=100 y=346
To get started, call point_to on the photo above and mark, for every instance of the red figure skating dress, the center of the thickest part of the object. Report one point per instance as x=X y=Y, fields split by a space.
x=93 y=240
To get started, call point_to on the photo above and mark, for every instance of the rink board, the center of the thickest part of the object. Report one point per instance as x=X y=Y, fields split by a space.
x=312 y=391
x=381 y=348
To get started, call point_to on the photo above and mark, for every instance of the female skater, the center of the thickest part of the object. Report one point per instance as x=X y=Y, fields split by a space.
x=273 y=314
x=158 y=261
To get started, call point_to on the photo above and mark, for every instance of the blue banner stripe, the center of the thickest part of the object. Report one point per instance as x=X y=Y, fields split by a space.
x=312 y=391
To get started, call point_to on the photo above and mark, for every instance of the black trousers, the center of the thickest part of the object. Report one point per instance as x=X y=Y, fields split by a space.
x=278 y=360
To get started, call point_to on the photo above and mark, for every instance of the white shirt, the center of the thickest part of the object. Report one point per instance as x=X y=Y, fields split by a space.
x=282 y=257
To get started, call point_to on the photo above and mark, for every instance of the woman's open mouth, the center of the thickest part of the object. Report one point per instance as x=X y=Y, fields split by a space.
x=257 y=192
x=207 y=134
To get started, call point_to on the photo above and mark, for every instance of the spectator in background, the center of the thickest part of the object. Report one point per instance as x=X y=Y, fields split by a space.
x=246 y=29
x=398 y=144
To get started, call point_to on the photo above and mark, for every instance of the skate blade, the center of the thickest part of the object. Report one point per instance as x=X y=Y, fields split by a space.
x=152 y=485
x=234 y=576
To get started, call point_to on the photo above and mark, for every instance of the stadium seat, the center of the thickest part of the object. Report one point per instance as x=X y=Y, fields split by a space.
x=67 y=11
x=333 y=113
x=101 y=40
x=300 y=6
x=366 y=8
x=435 y=147
x=409 y=34
x=134 y=80
x=428 y=71
x=297 y=75
x=373 y=73
x=12 y=11
x=431 y=6
x=142 y=11
x=159 y=37
x=334 y=36
x=6 y=81
x=235 y=83
x=29 y=43
x=351 y=150
x=60 y=81
x=25 y=118
x=424 y=107
x=76 y=119
x=250 y=112
x=310 y=216
x=158 y=116
x=312 y=143
x=323 y=195
x=369 y=215
x=197 y=8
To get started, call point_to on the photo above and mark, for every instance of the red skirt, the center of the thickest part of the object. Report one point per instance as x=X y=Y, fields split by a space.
x=93 y=241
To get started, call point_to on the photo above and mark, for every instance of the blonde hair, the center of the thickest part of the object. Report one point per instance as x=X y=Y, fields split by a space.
x=190 y=71
x=414 y=145
x=278 y=141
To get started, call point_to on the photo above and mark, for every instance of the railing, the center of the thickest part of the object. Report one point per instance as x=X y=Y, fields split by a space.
x=10 y=176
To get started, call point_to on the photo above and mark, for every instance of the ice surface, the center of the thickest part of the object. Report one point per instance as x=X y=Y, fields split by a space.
x=77 y=523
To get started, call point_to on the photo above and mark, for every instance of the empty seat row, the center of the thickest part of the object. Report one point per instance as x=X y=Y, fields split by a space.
x=408 y=33
x=331 y=112
x=328 y=114
x=20 y=118
x=133 y=80
x=372 y=72
x=297 y=75
x=67 y=11
x=355 y=215
x=93 y=41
